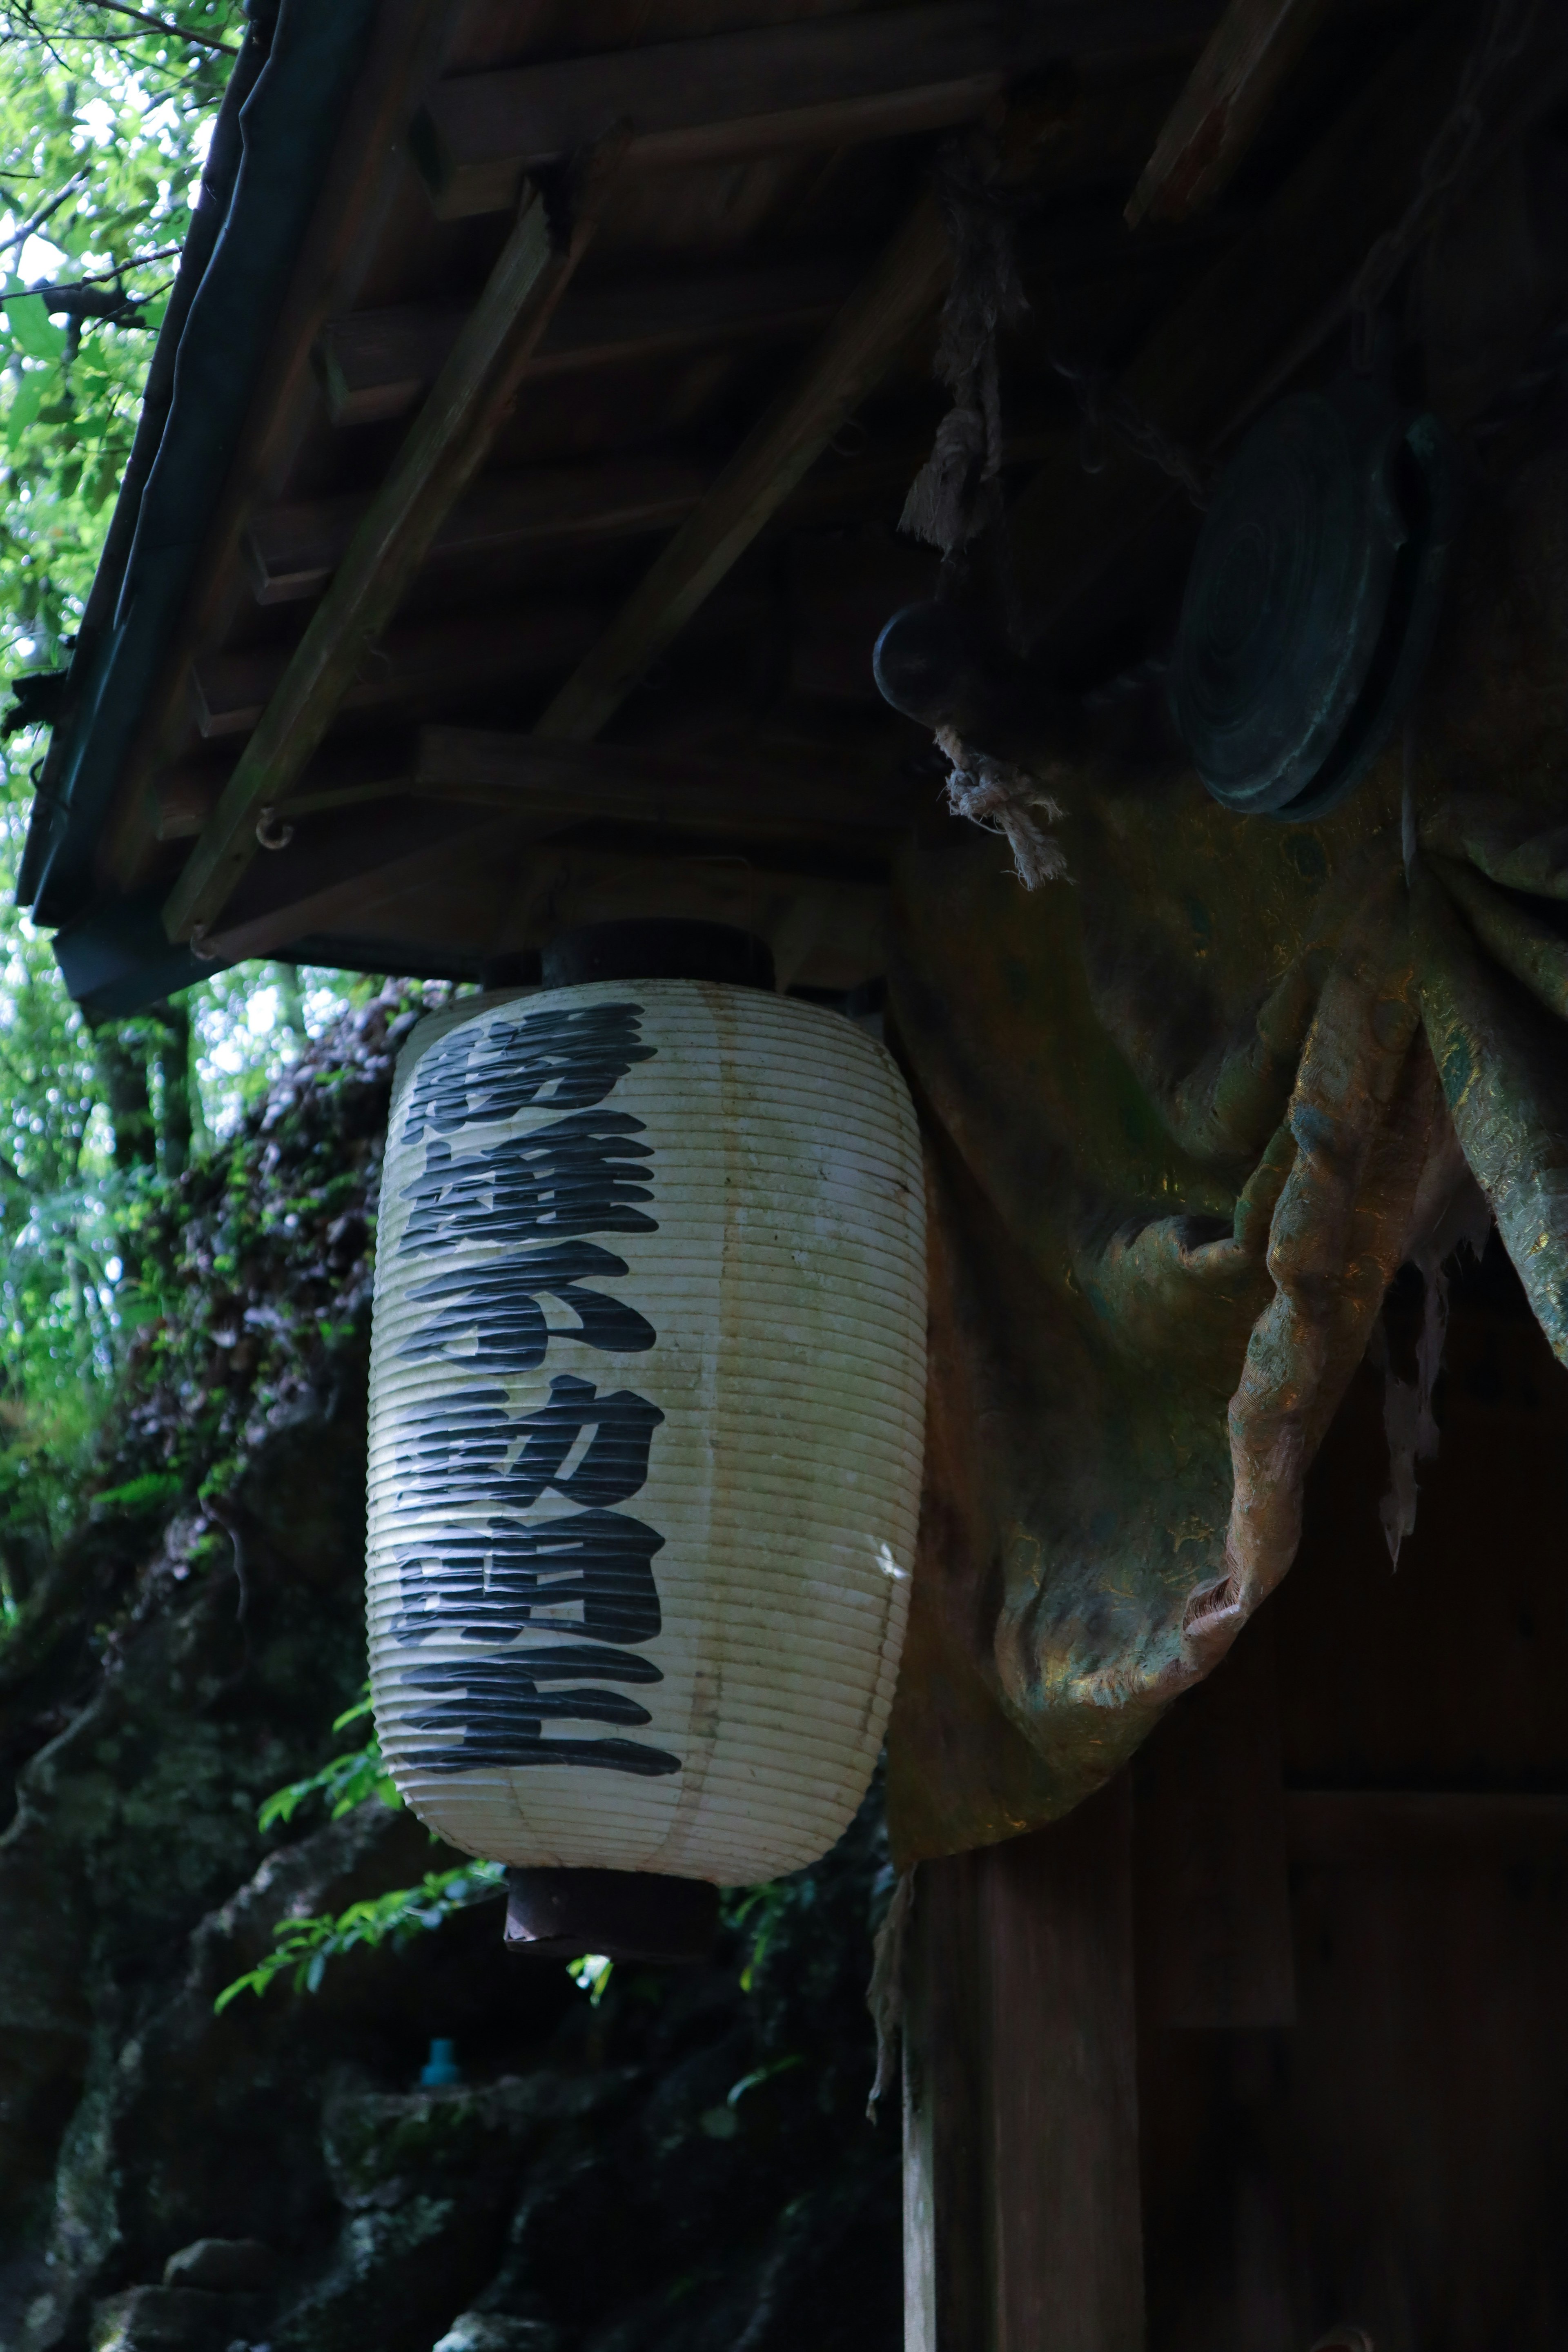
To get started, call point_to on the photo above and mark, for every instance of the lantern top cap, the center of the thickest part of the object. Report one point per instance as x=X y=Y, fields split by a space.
x=658 y=950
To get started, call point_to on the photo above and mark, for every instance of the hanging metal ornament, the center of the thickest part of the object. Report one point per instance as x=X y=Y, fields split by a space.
x=1312 y=598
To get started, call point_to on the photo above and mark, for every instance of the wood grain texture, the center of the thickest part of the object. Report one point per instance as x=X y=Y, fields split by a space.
x=443 y=451
x=827 y=80
x=378 y=363
x=1214 y=1889
x=1023 y=2221
x=358 y=191
x=293 y=550
x=534 y=638
x=623 y=785
x=1244 y=62
x=775 y=457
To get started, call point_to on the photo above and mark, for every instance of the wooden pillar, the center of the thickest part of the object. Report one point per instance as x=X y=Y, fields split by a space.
x=1213 y=1894
x=1023 y=2229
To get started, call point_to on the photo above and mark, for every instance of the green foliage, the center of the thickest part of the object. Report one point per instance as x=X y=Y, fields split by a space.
x=348 y=1780
x=106 y=108
x=304 y=1946
x=104 y=120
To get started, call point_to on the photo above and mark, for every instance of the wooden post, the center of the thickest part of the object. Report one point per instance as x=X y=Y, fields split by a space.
x=1023 y=2228
x=1214 y=1894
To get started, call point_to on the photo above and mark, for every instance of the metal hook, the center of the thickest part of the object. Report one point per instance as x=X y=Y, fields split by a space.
x=270 y=832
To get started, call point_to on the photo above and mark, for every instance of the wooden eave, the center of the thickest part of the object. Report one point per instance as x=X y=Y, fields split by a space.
x=545 y=576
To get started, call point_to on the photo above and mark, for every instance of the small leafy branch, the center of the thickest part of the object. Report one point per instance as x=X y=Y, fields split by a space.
x=303 y=1946
x=347 y=1781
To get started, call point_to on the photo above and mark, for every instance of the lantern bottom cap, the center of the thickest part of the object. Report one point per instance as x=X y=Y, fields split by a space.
x=626 y=1915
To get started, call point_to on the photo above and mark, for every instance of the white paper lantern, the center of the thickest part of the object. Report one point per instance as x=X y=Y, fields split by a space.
x=647 y=1394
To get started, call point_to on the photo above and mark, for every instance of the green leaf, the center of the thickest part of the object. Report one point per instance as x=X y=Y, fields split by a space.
x=32 y=329
x=27 y=401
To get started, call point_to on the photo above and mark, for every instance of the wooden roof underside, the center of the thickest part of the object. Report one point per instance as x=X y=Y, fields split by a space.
x=546 y=582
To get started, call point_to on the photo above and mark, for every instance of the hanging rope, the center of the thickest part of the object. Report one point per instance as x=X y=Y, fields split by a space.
x=1001 y=798
x=958 y=489
x=1503 y=41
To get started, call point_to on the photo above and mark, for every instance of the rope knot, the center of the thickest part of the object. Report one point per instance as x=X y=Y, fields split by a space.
x=1008 y=800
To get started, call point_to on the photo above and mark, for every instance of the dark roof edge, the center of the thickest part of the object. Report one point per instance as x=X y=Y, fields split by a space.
x=270 y=148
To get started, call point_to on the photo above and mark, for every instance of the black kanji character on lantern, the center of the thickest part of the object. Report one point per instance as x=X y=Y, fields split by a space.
x=491 y=1584
x=460 y=1443
x=491 y=1319
x=493 y=1711
x=578 y=1175
x=615 y=1461
x=569 y=1057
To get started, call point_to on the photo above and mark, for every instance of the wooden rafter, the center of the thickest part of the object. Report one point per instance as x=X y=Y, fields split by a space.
x=569 y=782
x=853 y=356
x=1212 y=124
x=827 y=80
x=442 y=453
x=380 y=363
x=292 y=552
x=449 y=653
x=623 y=786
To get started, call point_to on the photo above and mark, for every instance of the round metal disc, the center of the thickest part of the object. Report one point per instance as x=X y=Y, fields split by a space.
x=1286 y=599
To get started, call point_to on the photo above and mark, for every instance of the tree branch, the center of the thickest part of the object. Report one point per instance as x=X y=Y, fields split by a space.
x=175 y=32
x=21 y=236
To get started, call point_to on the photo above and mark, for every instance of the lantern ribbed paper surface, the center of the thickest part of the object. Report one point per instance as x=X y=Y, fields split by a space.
x=647 y=1394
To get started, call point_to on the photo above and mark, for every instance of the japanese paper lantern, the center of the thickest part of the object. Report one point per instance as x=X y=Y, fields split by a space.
x=647 y=1392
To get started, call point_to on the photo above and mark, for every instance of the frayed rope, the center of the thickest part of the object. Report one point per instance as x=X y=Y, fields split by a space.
x=1004 y=799
x=885 y=1993
x=957 y=492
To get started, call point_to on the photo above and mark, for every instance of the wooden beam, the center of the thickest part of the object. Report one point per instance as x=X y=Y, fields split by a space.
x=1249 y=55
x=379 y=363
x=731 y=95
x=292 y=552
x=618 y=784
x=417 y=661
x=874 y=323
x=1362 y=1829
x=570 y=783
x=340 y=873
x=444 y=448
x=1024 y=2226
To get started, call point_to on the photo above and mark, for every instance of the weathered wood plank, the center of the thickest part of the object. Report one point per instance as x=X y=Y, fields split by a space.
x=231 y=693
x=1063 y=2086
x=292 y=552
x=570 y=782
x=773 y=458
x=947 y=2054
x=443 y=451
x=1212 y=124
x=617 y=783
x=337 y=875
x=829 y=80
x=377 y=364
x=1213 y=1891
x=1024 y=2228
x=1355 y=1829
